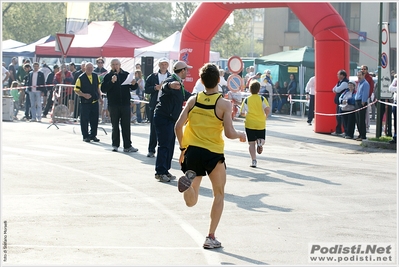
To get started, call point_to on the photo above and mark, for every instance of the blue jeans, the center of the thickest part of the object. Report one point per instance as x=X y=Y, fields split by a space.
x=165 y=129
x=36 y=105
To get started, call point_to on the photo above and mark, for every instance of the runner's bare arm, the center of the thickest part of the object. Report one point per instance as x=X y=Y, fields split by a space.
x=224 y=109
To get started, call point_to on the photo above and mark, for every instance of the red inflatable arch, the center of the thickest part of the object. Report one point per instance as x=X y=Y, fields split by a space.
x=322 y=21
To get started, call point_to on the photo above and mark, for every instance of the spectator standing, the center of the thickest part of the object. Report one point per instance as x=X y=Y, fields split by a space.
x=21 y=72
x=393 y=88
x=64 y=76
x=15 y=95
x=36 y=82
x=12 y=68
x=72 y=68
x=118 y=96
x=87 y=87
x=362 y=94
x=153 y=87
x=310 y=92
x=28 y=114
x=252 y=78
x=226 y=73
x=202 y=147
x=341 y=85
x=5 y=75
x=74 y=105
x=50 y=90
x=166 y=113
x=46 y=71
x=139 y=92
x=222 y=83
x=369 y=79
x=198 y=87
x=347 y=105
x=257 y=110
x=283 y=97
x=100 y=70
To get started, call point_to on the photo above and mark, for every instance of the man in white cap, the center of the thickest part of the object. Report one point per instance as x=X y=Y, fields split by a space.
x=166 y=113
x=153 y=87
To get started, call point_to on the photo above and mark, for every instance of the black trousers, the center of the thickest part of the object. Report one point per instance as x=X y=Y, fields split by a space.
x=311 y=109
x=28 y=114
x=89 y=115
x=49 y=103
x=361 y=119
x=153 y=133
x=338 y=128
x=349 y=120
x=120 y=115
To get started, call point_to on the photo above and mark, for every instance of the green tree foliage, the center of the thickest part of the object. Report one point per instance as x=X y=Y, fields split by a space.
x=151 y=21
x=230 y=38
x=28 y=22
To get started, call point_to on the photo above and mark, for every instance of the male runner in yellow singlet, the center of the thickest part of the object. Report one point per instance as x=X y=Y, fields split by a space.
x=202 y=147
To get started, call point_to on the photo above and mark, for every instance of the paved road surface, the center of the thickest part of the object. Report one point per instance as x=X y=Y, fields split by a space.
x=67 y=202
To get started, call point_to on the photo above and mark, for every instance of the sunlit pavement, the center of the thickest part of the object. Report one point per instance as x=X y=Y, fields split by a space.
x=68 y=202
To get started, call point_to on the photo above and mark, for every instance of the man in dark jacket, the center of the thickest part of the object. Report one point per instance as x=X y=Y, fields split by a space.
x=87 y=87
x=166 y=113
x=118 y=95
x=153 y=87
x=36 y=88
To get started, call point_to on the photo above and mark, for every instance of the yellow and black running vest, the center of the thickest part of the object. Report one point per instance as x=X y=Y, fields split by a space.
x=204 y=129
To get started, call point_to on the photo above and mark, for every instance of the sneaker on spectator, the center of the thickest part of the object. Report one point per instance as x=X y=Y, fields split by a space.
x=348 y=137
x=171 y=177
x=150 y=155
x=115 y=149
x=211 y=243
x=162 y=178
x=130 y=149
x=336 y=134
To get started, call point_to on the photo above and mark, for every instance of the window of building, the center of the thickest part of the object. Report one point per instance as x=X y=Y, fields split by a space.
x=350 y=13
x=354 y=51
x=392 y=17
x=293 y=22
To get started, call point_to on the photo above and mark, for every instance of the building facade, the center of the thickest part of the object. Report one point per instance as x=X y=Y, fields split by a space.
x=283 y=31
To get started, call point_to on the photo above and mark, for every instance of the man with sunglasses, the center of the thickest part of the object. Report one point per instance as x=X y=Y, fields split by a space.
x=100 y=70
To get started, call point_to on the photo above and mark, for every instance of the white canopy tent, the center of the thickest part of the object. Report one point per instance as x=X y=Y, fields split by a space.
x=7 y=44
x=168 y=48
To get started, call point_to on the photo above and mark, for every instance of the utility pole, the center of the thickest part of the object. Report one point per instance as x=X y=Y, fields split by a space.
x=379 y=119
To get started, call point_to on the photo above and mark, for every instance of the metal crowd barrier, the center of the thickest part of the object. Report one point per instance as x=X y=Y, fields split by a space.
x=65 y=106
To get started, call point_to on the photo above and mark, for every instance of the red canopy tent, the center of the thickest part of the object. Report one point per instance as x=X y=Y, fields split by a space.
x=104 y=38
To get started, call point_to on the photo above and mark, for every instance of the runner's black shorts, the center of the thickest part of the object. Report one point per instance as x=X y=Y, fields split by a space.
x=252 y=135
x=201 y=160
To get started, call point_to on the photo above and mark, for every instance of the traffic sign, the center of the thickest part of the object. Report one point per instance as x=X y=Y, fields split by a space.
x=64 y=41
x=384 y=60
x=234 y=83
x=235 y=64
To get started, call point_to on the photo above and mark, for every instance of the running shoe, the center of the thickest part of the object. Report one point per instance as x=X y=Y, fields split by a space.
x=185 y=181
x=211 y=243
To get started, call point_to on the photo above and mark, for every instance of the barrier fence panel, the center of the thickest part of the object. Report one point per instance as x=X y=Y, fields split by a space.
x=65 y=104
